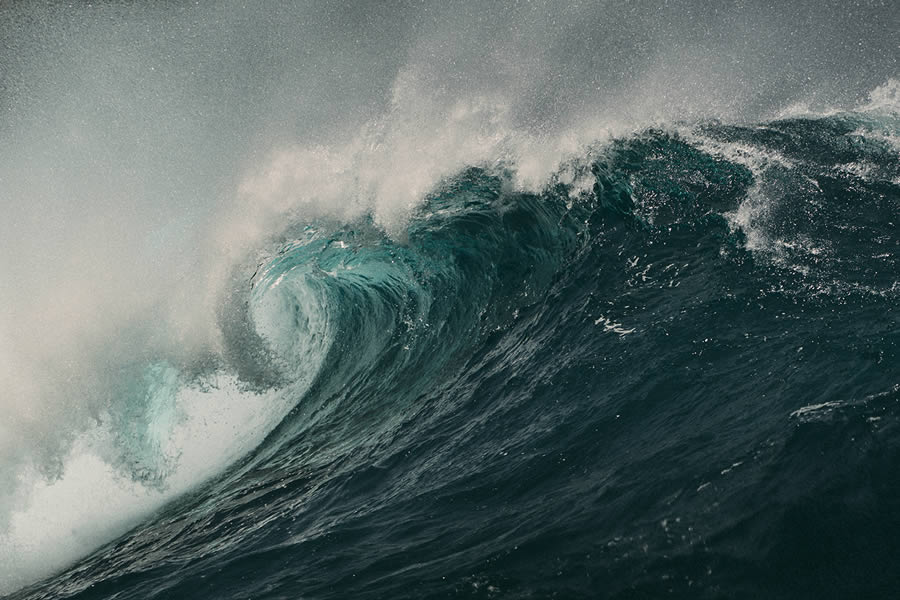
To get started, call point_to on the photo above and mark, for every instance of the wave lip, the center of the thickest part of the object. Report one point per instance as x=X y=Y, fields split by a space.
x=170 y=431
x=500 y=317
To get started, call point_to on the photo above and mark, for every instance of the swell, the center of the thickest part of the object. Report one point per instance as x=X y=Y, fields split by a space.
x=622 y=384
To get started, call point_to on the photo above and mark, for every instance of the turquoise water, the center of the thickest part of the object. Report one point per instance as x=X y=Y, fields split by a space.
x=672 y=371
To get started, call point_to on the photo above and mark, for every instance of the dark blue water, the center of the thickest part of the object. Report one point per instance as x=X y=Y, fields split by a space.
x=673 y=372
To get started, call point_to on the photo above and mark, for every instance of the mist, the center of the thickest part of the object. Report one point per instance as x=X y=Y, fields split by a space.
x=149 y=152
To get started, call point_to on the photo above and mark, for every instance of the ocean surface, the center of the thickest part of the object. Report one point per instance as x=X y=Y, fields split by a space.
x=671 y=372
x=458 y=299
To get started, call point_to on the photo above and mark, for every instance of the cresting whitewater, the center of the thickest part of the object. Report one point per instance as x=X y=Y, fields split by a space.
x=432 y=300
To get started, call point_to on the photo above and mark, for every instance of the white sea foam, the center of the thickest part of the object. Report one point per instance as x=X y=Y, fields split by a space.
x=884 y=99
x=150 y=150
x=190 y=432
x=92 y=500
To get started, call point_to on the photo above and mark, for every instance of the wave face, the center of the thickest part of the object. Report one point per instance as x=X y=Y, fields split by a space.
x=670 y=371
x=458 y=298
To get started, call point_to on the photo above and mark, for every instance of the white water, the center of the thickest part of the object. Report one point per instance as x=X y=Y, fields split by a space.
x=150 y=149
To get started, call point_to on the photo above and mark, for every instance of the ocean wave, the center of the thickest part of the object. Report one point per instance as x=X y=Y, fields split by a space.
x=508 y=341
